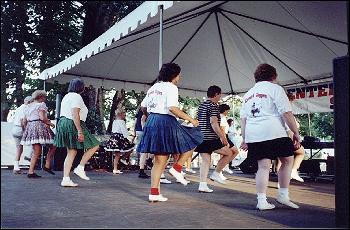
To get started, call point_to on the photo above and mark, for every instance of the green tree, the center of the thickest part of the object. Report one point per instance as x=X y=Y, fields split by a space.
x=14 y=53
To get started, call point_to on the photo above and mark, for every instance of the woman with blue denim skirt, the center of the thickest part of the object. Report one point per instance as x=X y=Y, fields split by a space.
x=163 y=134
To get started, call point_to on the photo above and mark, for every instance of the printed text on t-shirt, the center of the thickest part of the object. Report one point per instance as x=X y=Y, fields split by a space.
x=259 y=95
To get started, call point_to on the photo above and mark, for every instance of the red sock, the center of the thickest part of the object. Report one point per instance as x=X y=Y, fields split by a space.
x=154 y=191
x=177 y=167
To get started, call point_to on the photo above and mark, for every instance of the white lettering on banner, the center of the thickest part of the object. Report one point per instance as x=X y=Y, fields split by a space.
x=310 y=99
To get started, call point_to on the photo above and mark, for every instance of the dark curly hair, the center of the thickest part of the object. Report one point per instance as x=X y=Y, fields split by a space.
x=213 y=91
x=265 y=72
x=168 y=72
x=224 y=107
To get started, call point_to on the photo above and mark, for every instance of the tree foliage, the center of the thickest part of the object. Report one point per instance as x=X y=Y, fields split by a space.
x=36 y=35
x=14 y=53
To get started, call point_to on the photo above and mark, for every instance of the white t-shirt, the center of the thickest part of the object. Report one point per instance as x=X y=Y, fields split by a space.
x=119 y=126
x=223 y=123
x=19 y=114
x=287 y=127
x=263 y=106
x=32 y=111
x=70 y=101
x=160 y=97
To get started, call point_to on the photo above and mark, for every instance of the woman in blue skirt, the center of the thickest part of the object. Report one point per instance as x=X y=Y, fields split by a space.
x=163 y=134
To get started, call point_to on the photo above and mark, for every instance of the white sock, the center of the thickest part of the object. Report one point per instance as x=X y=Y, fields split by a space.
x=283 y=192
x=66 y=178
x=16 y=165
x=215 y=173
x=80 y=167
x=261 y=197
x=162 y=176
x=203 y=184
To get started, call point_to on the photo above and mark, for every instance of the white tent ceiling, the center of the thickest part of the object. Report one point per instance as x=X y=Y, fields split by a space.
x=299 y=38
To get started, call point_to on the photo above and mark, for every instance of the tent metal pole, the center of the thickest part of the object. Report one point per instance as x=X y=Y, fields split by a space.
x=309 y=120
x=305 y=81
x=223 y=51
x=160 y=61
x=189 y=40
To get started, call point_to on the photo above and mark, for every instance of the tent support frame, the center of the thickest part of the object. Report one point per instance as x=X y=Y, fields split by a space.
x=189 y=40
x=223 y=52
x=286 y=27
x=160 y=60
x=229 y=19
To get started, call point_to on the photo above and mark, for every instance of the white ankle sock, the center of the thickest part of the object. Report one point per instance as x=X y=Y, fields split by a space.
x=283 y=192
x=80 y=167
x=16 y=165
x=203 y=184
x=261 y=197
x=66 y=178
x=215 y=173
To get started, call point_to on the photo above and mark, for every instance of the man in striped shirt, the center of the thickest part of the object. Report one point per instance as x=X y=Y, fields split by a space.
x=214 y=139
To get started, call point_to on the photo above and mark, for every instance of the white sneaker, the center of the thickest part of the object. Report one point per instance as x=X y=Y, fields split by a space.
x=124 y=161
x=183 y=173
x=81 y=173
x=185 y=179
x=222 y=176
x=205 y=189
x=179 y=177
x=265 y=206
x=296 y=176
x=285 y=200
x=228 y=170
x=68 y=183
x=156 y=198
x=217 y=178
x=117 y=171
x=190 y=170
x=165 y=181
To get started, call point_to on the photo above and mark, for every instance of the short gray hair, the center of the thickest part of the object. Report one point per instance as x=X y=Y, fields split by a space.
x=39 y=93
x=76 y=85
x=119 y=111
x=28 y=99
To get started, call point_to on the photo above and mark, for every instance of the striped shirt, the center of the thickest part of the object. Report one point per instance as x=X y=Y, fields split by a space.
x=206 y=110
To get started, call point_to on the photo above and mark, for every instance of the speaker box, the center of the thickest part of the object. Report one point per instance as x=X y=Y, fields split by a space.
x=249 y=165
x=330 y=165
x=311 y=167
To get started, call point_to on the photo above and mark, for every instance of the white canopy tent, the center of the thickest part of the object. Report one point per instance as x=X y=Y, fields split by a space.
x=214 y=42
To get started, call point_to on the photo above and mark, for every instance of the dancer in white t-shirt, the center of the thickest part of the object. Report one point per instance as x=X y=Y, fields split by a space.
x=17 y=132
x=72 y=133
x=224 y=109
x=119 y=142
x=265 y=108
x=163 y=134
x=298 y=153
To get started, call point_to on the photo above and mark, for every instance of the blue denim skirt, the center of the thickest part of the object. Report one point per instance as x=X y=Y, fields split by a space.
x=163 y=134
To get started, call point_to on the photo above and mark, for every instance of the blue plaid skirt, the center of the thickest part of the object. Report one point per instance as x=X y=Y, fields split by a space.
x=163 y=134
